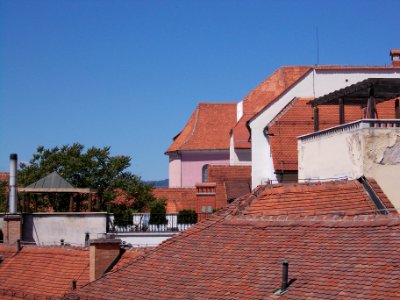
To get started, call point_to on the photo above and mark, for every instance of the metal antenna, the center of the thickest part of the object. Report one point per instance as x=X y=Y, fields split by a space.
x=317 y=37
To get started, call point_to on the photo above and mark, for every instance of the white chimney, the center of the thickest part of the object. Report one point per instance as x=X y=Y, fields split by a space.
x=12 y=203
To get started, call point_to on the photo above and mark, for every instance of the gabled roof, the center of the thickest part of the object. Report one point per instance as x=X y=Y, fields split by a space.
x=273 y=87
x=51 y=181
x=296 y=119
x=207 y=129
x=234 y=256
x=265 y=94
x=54 y=183
x=40 y=272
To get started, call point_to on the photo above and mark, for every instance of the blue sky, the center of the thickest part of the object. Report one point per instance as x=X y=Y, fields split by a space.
x=128 y=74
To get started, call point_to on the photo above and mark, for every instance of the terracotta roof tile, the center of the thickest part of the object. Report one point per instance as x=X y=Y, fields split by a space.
x=4 y=176
x=235 y=258
x=297 y=119
x=42 y=272
x=129 y=255
x=208 y=128
x=336 y=197
x=263 y=95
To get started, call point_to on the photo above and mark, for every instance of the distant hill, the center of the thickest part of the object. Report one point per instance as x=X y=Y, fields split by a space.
x=159 y=183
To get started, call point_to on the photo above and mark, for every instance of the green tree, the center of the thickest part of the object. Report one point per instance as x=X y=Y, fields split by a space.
x=158 y=212
x=187 y=216
x=94 y=168
x=3 y=196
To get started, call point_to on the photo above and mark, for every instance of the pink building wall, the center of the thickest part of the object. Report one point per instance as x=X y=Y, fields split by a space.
x=185 y=169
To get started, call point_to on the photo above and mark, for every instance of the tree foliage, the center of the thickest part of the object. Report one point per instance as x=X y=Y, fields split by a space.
x=93 y=168
x=158 y=213
x=187 y=216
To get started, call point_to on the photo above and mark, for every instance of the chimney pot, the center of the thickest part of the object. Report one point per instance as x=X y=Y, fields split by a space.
x=395 y=55
x=285 y=275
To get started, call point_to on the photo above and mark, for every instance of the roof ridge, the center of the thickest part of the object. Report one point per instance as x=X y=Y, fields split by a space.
x=322 y=220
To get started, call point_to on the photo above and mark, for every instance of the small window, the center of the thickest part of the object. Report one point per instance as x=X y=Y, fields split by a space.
x=209 y=209
x=204 y=173
x=204 y=209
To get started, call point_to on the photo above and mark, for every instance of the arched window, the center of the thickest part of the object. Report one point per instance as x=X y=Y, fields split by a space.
x=204 y=173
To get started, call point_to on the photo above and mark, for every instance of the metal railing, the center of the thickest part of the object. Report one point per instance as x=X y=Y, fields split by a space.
x=156 y=223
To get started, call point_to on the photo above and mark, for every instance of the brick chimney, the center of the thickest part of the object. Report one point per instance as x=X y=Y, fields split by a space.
x=206 y=197
x=104 y=254
x=395 y=55
x=12 y=229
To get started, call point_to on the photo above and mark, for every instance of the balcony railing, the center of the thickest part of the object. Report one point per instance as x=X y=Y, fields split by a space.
x=359 y=124
x=166 y=223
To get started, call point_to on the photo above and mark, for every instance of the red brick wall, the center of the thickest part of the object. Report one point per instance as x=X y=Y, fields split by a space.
x=12 y=229
x=177 y=198
x=221 y=174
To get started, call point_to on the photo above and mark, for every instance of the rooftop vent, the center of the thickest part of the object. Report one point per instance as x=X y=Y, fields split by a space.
x=285 y=279
x=395 y=55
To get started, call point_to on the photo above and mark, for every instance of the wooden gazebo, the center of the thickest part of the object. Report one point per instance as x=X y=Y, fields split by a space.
x=367 y=93
x=54 y=183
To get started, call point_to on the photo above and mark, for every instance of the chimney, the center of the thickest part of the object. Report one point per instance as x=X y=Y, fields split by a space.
x=206 y=199
x=395 y=55
x=12 y=221
x=104 y=254
x=285 y=279
x=12 y=203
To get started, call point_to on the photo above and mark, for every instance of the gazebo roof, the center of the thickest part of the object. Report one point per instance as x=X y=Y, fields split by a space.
x=54 y=183
x=382 y=89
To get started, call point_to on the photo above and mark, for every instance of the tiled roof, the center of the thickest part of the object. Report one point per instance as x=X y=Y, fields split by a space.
x=238 y=256
x=4 y=176
x=265 y=94
x=297 y=119
x=177 y=198
x=129 y=255
x=395 y=51
x=340 y=197
x=207 y=129
x=274 y=86
x=40 y=272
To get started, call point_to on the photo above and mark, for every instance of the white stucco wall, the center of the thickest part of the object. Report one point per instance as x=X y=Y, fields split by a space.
x=315 y=84
x=370 y=152
x=239 y=110
x=238 y=157
x=50 y=228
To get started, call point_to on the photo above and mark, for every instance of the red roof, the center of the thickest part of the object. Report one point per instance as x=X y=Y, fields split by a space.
x=395 y=52
x=4 y=176
x=297 y=119
x=207 y=129
x=343 y=197
x=43 y=271
x=129 y=255
x=236 y=256
x=263 y=95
